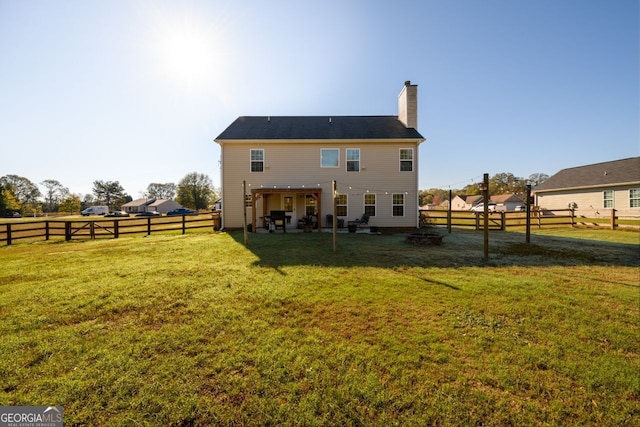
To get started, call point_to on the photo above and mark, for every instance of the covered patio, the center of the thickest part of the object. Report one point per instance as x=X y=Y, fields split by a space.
x=265 y=193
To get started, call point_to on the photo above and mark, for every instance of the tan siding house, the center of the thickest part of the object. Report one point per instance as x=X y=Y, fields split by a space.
x=289 y=164
x=594 y=189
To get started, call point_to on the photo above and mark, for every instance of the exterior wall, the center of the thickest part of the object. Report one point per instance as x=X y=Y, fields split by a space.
x=164 y=206
x=590 y=202
x=297 y=165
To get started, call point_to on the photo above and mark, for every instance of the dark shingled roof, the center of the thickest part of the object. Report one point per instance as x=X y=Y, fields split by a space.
x=317 y=127
x=598 y=175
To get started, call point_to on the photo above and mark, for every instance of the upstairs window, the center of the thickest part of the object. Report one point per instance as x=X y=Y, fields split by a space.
x=406 y=159
x=257 y=160
x=329 y=158
x=370 y=204
x=353 y=160
x=634 y=198
x=607 y=199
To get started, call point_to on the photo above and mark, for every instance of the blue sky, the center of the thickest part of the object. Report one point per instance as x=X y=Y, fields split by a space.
x=136 y=91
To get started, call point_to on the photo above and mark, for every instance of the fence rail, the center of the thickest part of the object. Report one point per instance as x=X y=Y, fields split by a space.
x=73 y=229
x=507 y=219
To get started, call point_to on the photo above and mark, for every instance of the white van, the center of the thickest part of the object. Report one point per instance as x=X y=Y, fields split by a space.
x=95 y=210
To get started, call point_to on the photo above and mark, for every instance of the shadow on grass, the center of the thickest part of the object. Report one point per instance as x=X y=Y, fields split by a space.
x=461 y=248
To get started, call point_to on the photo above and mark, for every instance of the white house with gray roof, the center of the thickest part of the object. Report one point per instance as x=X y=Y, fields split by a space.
x=594 y=189
x=290 y=162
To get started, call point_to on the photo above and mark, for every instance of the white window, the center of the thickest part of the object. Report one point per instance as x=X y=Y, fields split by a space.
x=353 y=160
x=341 y=205
x=370 y=204
x=607 y=199
x=398 y=204
x=329 y=158
x=257 y=160
x=406 y=159
x=634 y=198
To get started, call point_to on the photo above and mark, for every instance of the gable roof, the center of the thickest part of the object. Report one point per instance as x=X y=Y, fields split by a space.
x=138 y=202
x=504 y=198
x=606 y=174
x=317 y=128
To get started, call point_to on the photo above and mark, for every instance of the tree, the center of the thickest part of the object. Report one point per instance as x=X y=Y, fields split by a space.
x=110 y=193
x=22 y=189
x=70 y=204
x=161 y=191
x=55 y=192
x=506 y=183
x=433 y=195
x=8 y=202
x=538 y=178
x=195 y=191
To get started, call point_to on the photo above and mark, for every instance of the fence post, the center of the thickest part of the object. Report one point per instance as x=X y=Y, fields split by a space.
x=46 y=230
x=613 y=219
x=92 y=230
x=67 y=230
x=573 y=218
x=503 y=218
x=184 y=220
x=116 y=228
x=8 y=234
x=149 y=226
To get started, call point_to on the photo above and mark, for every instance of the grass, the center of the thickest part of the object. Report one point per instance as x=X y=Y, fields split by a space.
x=199 y=330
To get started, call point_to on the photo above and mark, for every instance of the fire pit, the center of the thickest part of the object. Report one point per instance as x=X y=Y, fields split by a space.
x=424 y=239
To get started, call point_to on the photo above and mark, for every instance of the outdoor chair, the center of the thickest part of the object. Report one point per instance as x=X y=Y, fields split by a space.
x=363 y=221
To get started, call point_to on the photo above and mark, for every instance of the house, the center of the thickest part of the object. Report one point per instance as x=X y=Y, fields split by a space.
x=150 y=205
x=593 y=188
x=465 y=203
x=289 y=163
x=137 y=206
x=163 y=205
x=507 y=202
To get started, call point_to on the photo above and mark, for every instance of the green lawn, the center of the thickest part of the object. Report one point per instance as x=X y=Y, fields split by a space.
x=199 y=330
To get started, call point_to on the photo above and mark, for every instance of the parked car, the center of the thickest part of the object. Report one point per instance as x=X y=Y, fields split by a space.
x=117 y=214
x=181 y=211
x=480 y=207
x=12 y=214
x=149 y=213
x=520 y=208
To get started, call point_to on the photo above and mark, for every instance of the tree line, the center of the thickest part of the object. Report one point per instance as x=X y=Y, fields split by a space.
x=19 y=194
x=500 y=183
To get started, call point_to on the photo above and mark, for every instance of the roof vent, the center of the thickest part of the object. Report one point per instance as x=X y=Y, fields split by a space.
x=329 y=120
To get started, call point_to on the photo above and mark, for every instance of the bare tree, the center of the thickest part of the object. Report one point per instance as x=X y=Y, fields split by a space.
x=55 y=192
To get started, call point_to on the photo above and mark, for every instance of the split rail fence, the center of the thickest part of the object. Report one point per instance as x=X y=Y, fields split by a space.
x=506 y=219
x=74 y=229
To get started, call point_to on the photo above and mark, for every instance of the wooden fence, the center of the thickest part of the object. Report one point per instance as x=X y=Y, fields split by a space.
x=507 y=219
x=103 y=227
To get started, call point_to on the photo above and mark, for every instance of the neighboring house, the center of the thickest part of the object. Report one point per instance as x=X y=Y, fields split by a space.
x=163 y=205
x=289 y=164
x=507 y=202
x=465 y=203
x=592 y=189
x=150 y=205
x=137 y=206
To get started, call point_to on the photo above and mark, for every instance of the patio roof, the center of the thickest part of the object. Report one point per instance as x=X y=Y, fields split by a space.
x=257 y=193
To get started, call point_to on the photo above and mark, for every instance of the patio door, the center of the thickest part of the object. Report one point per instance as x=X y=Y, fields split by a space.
x=289 y=206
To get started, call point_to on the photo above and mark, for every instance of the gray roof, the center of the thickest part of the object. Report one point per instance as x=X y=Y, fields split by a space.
x=317 y=127
x=604 y=174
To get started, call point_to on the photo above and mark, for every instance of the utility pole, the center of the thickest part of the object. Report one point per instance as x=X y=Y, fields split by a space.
x=528 y=205
x=485 y=198
x=335 y=216
x=244 y=213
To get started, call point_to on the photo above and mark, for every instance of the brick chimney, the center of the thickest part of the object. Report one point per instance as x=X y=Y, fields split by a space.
x=408 y=105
